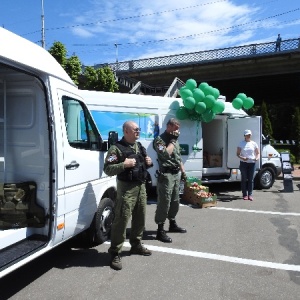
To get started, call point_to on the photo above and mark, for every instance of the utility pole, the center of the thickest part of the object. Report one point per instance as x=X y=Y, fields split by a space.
x=43 y=25
x=116 y=45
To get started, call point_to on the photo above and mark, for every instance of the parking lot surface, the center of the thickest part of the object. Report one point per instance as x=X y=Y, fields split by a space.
x=236 y=250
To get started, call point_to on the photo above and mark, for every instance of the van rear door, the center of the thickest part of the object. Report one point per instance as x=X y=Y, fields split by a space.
x=236 y=127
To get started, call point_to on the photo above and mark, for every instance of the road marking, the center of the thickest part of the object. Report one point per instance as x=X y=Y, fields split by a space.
x=231 y=259
x=258 y=211
x=245 y=210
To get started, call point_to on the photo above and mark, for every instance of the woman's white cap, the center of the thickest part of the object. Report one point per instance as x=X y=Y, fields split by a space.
x=247 y=131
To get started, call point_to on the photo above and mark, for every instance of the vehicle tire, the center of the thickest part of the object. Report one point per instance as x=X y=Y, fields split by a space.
x=265 y=178
x=84 y=240
x=103 y=221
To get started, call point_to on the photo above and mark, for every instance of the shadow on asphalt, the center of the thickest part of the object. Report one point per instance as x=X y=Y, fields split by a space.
x=226 y=192
x=62 y=257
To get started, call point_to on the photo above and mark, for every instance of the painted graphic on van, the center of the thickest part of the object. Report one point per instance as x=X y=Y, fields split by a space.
x=113 y=121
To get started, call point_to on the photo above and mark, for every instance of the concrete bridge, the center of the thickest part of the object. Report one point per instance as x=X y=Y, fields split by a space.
x=256 y=70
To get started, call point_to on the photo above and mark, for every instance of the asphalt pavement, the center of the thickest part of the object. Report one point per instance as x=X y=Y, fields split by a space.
x=236 y=250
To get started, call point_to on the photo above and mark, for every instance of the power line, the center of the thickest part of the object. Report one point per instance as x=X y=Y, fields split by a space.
x=131 y=17
x=202 y=33
x=216 y=30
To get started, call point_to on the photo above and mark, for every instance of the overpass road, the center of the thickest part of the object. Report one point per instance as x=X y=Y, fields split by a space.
x=274 y=78
x=256 y=70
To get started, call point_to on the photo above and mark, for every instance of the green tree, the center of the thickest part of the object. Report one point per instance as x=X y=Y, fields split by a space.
x=101 y=79
x=296 y=132
x=267 y=126
x=93 y=79
x=59 y=52
x=73 y=68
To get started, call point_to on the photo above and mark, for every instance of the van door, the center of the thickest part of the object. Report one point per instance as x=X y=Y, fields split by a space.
x=81 y=165
x=235 y=134
x=191 y=144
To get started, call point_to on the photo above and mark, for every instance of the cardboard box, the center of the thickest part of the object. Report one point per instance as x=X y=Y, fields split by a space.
x=193 y=198
x=207 y=201
x=190 y=196
x=215 y=160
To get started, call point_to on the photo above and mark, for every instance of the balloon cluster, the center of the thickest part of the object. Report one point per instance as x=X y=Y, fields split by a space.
x=242 y=100
x=199 y=103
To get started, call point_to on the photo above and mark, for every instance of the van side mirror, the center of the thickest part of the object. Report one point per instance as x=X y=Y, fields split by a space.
x=112 y=138
x=265 y=140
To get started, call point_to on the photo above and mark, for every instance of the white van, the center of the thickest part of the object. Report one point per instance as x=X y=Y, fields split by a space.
x=52 y=185
x=208 y=149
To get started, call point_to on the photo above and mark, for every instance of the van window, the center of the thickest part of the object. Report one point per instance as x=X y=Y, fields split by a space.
x=81 y=131
x=107 y=121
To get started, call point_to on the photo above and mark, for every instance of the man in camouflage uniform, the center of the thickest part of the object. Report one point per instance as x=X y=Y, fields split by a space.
x=128 y=160
x=170 y=164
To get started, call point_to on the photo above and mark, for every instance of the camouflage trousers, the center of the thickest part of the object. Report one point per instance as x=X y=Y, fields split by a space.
x=167 y=197
x=130 y=203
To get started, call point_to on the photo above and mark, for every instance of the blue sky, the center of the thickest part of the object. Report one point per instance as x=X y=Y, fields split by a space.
x=99 y=31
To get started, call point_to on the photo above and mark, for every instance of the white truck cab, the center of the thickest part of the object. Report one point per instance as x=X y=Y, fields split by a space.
x=271 y=163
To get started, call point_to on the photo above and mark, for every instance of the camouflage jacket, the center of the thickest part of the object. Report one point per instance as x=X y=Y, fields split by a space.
x=164 y=158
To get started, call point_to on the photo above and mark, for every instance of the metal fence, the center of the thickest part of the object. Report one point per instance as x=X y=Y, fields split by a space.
x=253 y=50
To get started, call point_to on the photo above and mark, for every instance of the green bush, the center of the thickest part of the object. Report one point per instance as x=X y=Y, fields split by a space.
x=292 y=156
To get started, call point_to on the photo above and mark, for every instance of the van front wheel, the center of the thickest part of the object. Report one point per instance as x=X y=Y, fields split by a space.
x=103 y=220
x=265 y=178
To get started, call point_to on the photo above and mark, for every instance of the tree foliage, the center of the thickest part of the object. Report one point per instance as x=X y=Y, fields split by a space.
x=101 y=79
x=267 y=126
x=73 y=68
x=296 y=132
x=59 y=52
x=93 y=79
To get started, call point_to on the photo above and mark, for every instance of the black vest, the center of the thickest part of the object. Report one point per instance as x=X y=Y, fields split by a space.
x=139 y=171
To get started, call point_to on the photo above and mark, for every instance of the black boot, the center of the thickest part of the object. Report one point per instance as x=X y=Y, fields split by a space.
x=175 y=228
x=161 y=234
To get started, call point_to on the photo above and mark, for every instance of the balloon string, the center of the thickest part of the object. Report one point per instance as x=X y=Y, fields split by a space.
x=196 y=148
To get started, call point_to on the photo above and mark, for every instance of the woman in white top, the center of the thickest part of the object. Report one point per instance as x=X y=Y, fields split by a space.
x=248 y=153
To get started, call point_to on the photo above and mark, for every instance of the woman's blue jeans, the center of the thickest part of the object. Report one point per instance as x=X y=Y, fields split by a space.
x=247 y=173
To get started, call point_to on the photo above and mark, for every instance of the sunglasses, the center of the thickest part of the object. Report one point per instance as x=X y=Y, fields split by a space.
x=136 y=129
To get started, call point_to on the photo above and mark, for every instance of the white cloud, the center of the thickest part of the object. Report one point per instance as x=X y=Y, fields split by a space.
x=189 y=26
x=82 y=32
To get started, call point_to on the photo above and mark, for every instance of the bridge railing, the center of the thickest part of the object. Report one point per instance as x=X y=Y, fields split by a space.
x=251 y=50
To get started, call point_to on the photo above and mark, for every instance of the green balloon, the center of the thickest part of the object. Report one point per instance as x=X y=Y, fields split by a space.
x=218 y=107
x=208 y=90
x=185 y=92
x=216 y=93
x=182 y=113
x=248 y=103
x=198 y=95
x=194 y=116
x=208 y=116
x=242 y=96
x=200 y=107
x=237 y=103
x=203 y=85
x=191 y=84
x=209 y=100
x=189 y=102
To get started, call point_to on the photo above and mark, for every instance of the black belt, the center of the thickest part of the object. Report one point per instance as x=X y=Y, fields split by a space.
x=170 y=170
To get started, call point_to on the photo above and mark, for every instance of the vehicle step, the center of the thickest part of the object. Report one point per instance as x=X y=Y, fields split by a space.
x=21 y=249
x=215 y=177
